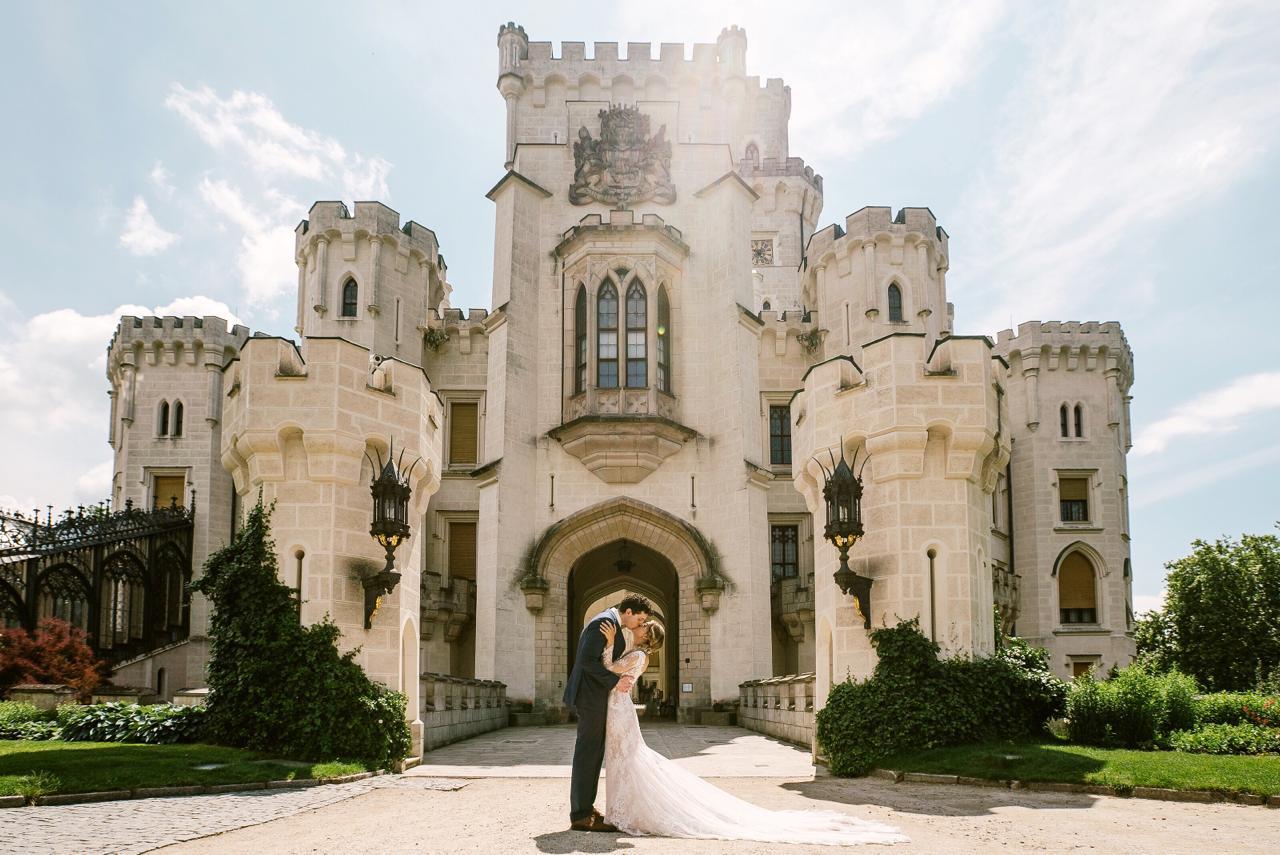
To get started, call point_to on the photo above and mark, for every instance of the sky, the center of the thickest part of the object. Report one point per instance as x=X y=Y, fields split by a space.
x=1089 y=160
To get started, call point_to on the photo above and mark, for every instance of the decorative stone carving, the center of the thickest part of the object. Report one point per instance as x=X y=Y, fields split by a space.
x=622 y=449
x=625 y=165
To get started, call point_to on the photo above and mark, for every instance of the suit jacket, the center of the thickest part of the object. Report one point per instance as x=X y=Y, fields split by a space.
x=589 y=681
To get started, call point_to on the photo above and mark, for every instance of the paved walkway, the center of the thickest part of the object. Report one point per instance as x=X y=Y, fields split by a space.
x=141 y=825
x=545 y=752
x=506 y=792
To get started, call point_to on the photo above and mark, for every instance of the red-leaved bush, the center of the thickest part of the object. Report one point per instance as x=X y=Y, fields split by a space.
x=56 y=653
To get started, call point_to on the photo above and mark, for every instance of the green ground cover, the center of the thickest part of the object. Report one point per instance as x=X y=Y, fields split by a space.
x=1062 y=762
x=30 y=768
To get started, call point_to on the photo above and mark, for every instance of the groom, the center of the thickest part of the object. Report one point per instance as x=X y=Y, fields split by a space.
x=588 y=690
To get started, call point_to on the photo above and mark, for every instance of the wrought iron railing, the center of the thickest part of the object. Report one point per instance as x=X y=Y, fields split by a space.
x=23 y=537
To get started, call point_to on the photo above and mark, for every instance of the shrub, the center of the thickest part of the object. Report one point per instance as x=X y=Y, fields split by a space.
x=1228 y=739
x=280 y=687
x=156 y=724
x=1233 y=707
x=914 y=700
x=1134 y=709
x=56 y=653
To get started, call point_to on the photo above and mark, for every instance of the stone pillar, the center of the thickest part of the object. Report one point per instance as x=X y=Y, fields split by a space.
x=213 y=411
x=127 y=384
x=1113 y=397
x=872 y=293
x=111 y=430
x=302 y=293
x=375 y=256
x=923 y=300
x=1128 y=424
x=322 y=273
x=1031 y=371
x=510 y=92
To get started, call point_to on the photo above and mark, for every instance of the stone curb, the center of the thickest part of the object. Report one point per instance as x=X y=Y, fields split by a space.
x=1155 y=793
x=171 y=792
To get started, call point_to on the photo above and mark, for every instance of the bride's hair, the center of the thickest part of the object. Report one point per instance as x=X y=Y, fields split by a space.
x=654 y=638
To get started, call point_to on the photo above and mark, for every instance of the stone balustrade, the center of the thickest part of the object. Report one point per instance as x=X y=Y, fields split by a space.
x=779 y=706
x=455 y=708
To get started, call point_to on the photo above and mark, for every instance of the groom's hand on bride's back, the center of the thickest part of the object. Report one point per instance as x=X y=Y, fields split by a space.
x=625 y=684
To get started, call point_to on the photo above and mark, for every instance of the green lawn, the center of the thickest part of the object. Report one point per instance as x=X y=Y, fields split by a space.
x=1078 y=764
x=41 y=768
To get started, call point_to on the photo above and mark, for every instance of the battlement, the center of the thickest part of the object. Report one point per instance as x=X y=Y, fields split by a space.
x=874 y=223
x=1082 y=341
x=334 y=219
x=773 y=167
x=211 y=334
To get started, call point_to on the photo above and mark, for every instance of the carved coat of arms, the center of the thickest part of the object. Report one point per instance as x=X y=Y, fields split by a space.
x=625 y=165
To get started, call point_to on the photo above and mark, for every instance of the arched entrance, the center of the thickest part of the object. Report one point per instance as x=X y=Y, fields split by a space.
x=601 y=578
x=669 y=558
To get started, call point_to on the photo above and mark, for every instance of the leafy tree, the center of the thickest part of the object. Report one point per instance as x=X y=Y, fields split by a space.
x=281 y=687
x=1221 y=619
x=56 y=652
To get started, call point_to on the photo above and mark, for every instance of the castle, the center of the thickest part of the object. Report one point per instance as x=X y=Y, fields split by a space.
x=675 y=350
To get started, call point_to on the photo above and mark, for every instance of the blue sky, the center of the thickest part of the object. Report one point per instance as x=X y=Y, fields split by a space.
x=1091 y=161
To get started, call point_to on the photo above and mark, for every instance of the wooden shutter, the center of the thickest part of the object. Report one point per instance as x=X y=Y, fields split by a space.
x=462 y=550
x=462 y=432
x=1074 y=489
x=1075 y=583
x=168 y=488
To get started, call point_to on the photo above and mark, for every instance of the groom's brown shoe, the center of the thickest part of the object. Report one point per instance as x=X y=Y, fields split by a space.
x=595 y=822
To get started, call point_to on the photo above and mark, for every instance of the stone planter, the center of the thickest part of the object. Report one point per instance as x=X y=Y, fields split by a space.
x=45 y=696
x=535 y=593
x=709 y=589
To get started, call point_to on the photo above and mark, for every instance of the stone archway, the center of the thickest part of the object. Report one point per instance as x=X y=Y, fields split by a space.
x=643 y=525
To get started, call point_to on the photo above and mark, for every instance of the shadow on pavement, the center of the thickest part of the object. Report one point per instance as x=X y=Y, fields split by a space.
x=934 y=799
x=582 y=841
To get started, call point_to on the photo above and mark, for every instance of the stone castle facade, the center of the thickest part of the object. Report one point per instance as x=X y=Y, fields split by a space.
x=674 y=343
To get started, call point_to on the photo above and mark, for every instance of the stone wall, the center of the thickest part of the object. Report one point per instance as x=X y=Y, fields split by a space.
x=455 y=708
x=779 y=706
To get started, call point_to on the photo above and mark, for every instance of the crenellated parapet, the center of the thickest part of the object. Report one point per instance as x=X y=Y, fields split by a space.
x=1069 y=346
x=336 y=223
x=754 y=171
x=458 y=326
x=788 y=330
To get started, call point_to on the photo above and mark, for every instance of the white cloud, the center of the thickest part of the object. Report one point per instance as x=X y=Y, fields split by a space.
x=249 y=125
x=265 y=259
x=1220 y=411
x=1126 y=117
x=1143 y=603
x=161 y=179
x=142 y=235
x=53 y=394
x=866 y=70
x=1147 y=492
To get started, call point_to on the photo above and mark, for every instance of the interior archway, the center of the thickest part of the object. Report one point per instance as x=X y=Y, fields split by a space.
x=606 y=574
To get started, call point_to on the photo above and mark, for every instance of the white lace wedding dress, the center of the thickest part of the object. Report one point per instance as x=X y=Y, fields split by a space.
x=647 y=794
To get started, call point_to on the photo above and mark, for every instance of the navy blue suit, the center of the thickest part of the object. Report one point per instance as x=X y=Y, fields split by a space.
x=588 y=692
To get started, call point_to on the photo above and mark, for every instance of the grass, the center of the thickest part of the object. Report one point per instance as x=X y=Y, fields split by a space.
x=1078 y=764
x=43 y=768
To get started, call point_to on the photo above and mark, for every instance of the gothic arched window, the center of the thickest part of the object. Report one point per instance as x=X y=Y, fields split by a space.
x=895 y=304
x=177 y=418
x=122 y=600
x=1079 y=420
x=1062 y=420
x=664 y=341
x=1077 y=593
x=580 y=341
x=162 y=419
x=637 y=336
x=350 y=298
x=753 y=154
x=607 y=336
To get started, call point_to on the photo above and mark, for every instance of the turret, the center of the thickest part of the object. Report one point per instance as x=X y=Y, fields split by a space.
x=513 y=49
x=365 y=278
x=731 y=51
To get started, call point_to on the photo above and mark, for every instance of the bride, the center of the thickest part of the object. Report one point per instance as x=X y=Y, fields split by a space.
x=649 y=794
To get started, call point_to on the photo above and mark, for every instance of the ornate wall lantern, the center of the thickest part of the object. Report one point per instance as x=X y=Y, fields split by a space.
x=843 y=496
x=390 y=527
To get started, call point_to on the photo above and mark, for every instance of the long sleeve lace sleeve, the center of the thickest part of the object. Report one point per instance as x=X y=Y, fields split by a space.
x=623 y=665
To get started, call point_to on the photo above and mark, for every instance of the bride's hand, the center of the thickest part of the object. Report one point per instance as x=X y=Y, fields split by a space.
x=609 y=631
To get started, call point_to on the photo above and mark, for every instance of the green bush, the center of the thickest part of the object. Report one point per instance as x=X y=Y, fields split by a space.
x=155 y=724
x=280 y=687
x=1134 y=709
x=23 y=720
x=914 y=700
x=1233 y=708
x=1228 y=739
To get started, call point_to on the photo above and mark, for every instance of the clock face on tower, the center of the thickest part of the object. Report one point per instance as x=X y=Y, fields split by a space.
x=762 y=253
